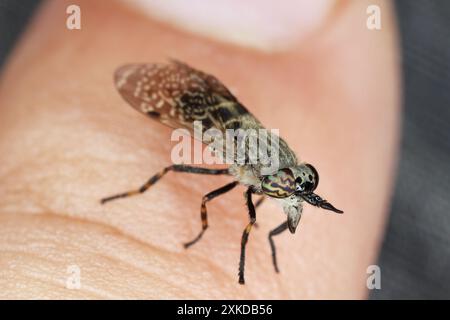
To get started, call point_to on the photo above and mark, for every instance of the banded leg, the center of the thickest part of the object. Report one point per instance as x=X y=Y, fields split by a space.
x=245 y=234
x=282 y=227
x=203 y=211
x=159 y=175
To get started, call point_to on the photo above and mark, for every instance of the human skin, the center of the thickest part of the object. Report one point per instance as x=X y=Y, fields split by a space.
x=67 y=139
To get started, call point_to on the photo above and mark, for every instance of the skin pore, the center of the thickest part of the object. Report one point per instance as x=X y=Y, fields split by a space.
x=67 y=139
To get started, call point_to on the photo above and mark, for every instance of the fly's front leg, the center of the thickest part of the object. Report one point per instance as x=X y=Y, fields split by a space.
x=203 y=211
x=159 y=175
x=257 y=204
x=245 y=234
x=282 y=227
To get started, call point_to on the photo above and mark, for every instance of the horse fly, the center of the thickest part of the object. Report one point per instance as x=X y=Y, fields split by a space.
x=178 y=96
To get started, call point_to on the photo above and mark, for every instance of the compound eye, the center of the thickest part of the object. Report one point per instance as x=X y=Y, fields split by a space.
x=279 y=185
x=315 y=176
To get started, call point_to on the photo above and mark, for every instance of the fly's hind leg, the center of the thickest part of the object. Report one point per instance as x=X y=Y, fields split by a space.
x=159 y=175
x=203 y=212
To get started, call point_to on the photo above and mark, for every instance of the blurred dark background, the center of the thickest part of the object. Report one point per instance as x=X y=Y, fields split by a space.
x=415 y=257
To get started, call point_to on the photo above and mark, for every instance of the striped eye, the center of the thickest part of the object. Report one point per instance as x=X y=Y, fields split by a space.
x=279 y=185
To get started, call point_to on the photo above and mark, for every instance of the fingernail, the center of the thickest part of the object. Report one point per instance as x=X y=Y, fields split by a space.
x=262 y=24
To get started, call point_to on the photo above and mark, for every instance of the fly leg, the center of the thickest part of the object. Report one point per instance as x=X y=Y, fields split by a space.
x=282 y=227
x=257 y=204
x=245 y=234
x=159 y=175
x=203 y=211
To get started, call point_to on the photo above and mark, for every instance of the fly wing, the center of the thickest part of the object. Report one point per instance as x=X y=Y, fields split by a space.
x=177 y=95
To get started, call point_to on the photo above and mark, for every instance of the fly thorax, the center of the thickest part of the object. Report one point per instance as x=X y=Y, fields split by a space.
x=246 y=176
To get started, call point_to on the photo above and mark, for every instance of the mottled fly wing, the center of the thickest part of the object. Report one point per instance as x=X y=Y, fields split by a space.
x=177 y=95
